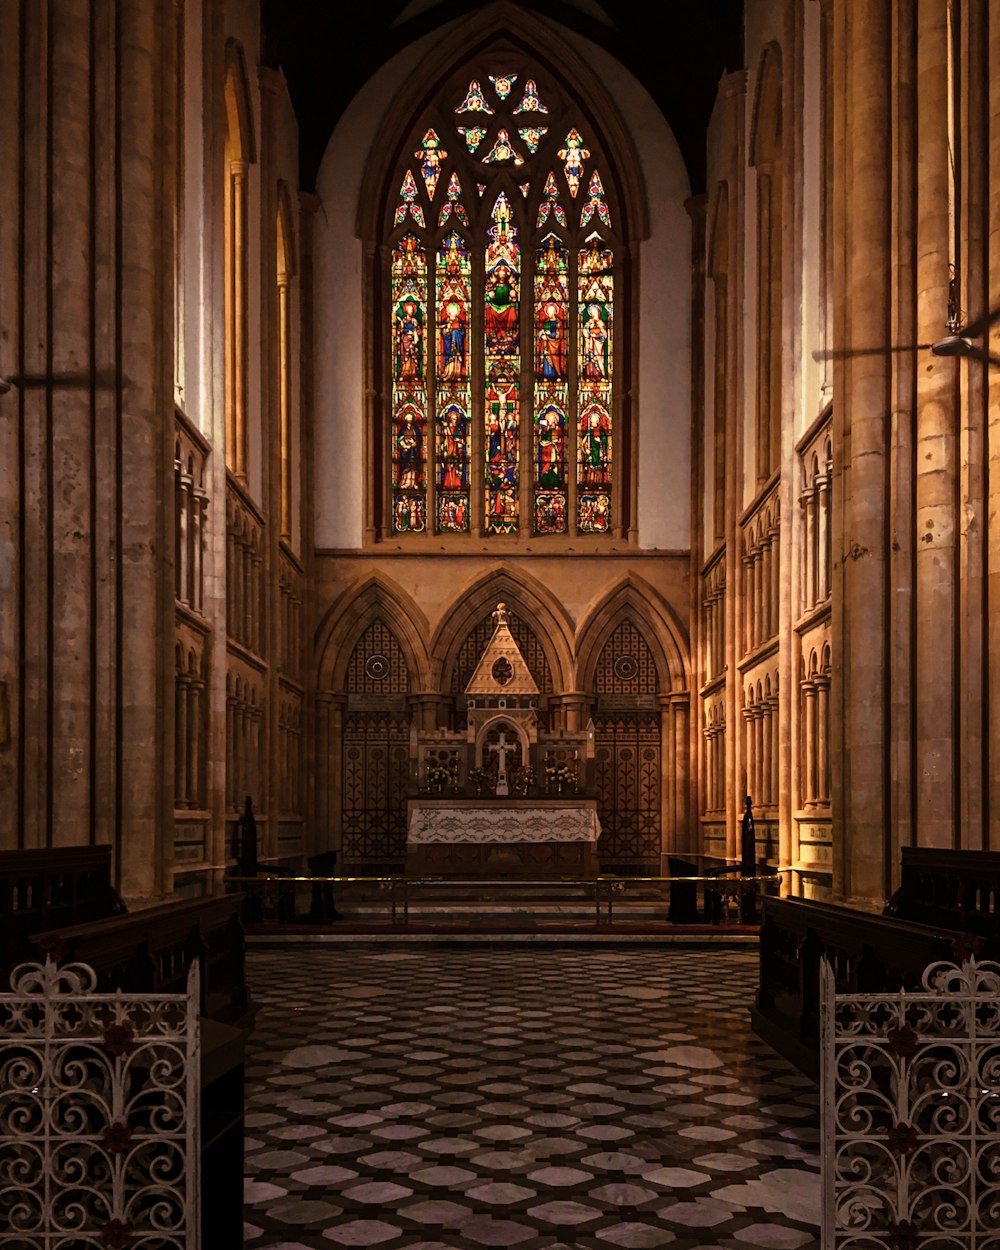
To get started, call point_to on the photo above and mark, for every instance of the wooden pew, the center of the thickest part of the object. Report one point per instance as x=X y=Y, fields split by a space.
x=50 y=888
x=868 y=952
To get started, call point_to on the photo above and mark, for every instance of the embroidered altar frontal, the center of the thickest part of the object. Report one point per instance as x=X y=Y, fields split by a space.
x=515 y=838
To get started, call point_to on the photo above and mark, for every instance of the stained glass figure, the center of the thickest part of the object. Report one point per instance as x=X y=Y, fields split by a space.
x=524 y=188
x=530 y=103
x=431 y=156
x=574 y=154
x=502 y=419
x=453 y=284
x=409 y=515
x=475 y=101
x=594 y=512
x=408 y=201
x=453 y=514
x=453 y=203
x=550 y=512
x=481 y=188
x=551 y=391
x=550 y=446
x=502 y=84
x=550 y=203
x=532 y=136
x=503 y=150
x=596 y=203
x=595 y=360
x=473 y=136
x=409 y=396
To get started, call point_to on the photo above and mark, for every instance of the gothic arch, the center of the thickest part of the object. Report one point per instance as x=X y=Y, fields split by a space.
x=528 y=598
x=239 y=112
x=635 y=600
x=717 y=251
x=765 y=126
x=370 y=600
x=530 y=35
x=287 y=248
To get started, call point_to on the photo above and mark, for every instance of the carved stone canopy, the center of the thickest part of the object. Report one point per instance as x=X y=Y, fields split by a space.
x=501 y=670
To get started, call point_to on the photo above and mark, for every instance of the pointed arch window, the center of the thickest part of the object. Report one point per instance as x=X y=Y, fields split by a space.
x=500 y=337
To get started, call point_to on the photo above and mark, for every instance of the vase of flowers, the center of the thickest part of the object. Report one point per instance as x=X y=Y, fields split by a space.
x=559 y=777
x=520 y=779
x=480 y=781
x=440 y=777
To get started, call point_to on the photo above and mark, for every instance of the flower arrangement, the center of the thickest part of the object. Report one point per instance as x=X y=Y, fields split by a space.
x=561 y=776
x=479 y=778
x=521 y=778
x=440 y=775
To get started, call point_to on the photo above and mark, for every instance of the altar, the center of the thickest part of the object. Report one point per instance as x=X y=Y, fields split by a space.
x=502 y=796
x=504 y=837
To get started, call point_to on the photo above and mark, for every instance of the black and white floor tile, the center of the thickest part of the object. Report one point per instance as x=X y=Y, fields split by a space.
x=446 y=1098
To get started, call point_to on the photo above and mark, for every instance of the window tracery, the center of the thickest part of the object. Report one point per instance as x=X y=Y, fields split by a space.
x=504 y=246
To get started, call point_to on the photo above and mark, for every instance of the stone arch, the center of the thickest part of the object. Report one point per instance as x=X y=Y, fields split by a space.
x=287 y=246
x=239 y=111
x=634 y=599
x=641 y=741
x=528 y=599
x=532 y=36
x=371 y=599
x=765 y=126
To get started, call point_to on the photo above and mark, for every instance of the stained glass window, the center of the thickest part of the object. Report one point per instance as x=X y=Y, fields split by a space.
x=409 y=394
x=501 y=329
x=594 y=310
x=503 y=371
x=452 y=291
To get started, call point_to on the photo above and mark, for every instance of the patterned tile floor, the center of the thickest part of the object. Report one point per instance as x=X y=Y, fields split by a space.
x=445 y=1098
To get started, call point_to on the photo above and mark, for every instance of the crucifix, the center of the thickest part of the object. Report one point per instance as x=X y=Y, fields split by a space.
x=503 y=748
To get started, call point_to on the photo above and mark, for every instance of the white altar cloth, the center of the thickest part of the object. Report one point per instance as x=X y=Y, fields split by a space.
x=542 y=822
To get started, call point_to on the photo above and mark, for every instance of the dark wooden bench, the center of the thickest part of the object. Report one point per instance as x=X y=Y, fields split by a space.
x=151 y=951
x=957 y=889
x=868 y=953
x=50 y=888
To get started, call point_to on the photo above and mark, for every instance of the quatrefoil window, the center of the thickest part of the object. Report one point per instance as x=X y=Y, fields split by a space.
x=502 y=671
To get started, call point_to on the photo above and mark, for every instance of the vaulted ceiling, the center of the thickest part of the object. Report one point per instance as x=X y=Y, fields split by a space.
x=678 y=51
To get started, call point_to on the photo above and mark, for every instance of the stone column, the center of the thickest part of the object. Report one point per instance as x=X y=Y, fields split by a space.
x=809 y=724
x=863 y=188
x=936 y=451
x=180 y=740
x=809 y=559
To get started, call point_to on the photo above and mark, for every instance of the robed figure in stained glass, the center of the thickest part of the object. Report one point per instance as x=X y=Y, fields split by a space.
x=501 y=311
x=595 y=344
x=550 y=443
x=409 y=341
x=551 y=342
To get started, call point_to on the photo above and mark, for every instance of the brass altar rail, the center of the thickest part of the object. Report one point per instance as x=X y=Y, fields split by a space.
x=722 y=893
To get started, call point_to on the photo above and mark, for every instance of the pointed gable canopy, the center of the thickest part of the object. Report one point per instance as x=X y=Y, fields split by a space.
x=501 y=670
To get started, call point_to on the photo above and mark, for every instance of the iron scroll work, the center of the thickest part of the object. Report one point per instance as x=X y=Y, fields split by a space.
x=911 y=1113
x=98 y=1114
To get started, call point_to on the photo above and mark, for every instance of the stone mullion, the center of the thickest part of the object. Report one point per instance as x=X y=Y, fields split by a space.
x=198 y=550
x=823 y=740
x=809 y=750
x=774 y=540
x=823 y=537
x=808 y=501
x=758 y=596
x=180 y=740
x=257 y=603
x=183 y=522
x=195 y=746
x=775 y=748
